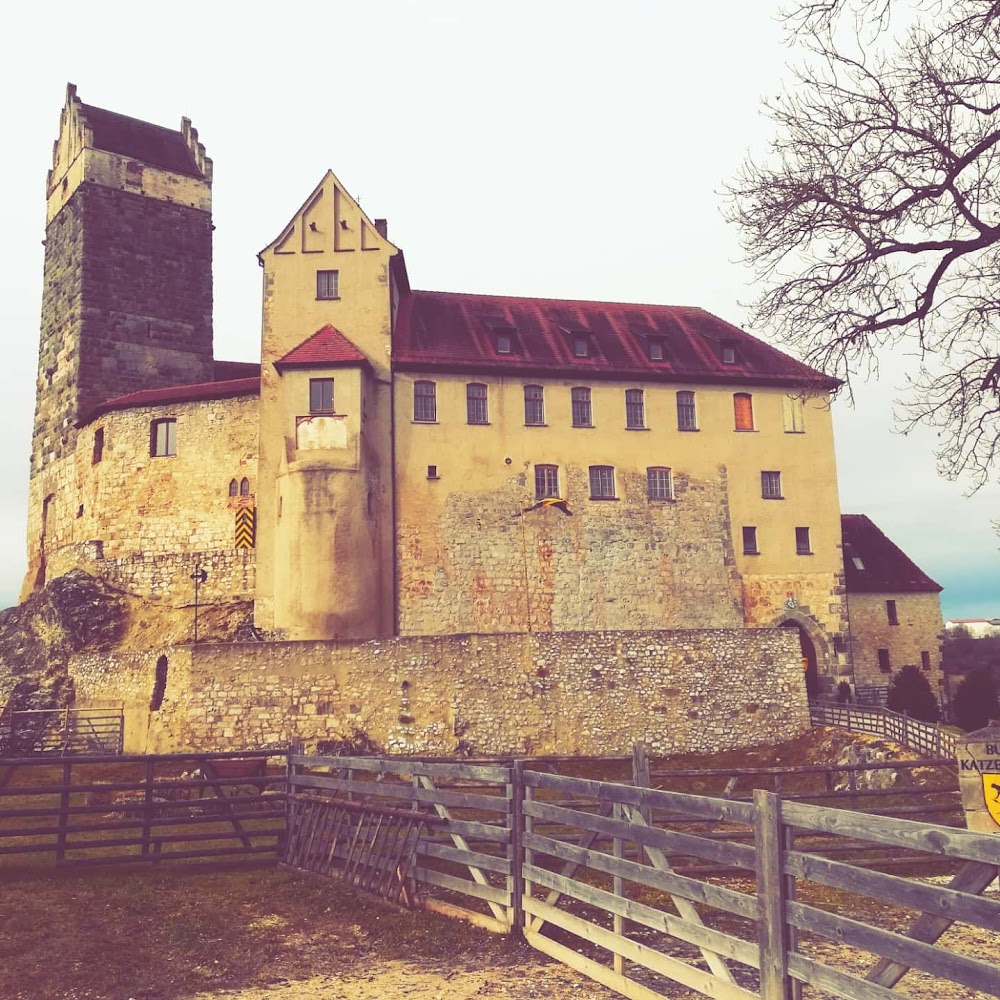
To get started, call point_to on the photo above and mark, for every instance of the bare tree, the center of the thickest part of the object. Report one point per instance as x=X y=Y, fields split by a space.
x=873 y=222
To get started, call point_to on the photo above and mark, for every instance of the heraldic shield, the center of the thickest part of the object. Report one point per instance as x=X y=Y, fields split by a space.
x=991 y=792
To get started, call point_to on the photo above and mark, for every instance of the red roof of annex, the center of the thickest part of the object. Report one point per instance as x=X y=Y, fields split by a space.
x=327 y=346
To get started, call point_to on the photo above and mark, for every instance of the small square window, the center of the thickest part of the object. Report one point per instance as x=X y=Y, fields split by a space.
x=602 y=482
x=163 y=438
x=659 y=485
x=884 y=663
x=546 y=481
x=327 y=284
x=432 y=472
x=890 y=612
x=770 y=485
x=750 y=540
x=321 y=395
x=802 y=545
x=858 y=562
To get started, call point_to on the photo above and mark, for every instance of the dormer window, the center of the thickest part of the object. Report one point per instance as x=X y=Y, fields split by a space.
x=728 y=352
x=504 y=343
x=655 y=350
x=581 y=345
x=504 y=336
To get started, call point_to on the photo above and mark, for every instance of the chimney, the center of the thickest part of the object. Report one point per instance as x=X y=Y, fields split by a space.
x=382 y=228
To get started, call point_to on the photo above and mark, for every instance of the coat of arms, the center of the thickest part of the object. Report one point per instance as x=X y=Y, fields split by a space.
x=991 y=792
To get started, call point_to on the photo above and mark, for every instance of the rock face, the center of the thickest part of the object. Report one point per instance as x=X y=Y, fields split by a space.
x=72 y=614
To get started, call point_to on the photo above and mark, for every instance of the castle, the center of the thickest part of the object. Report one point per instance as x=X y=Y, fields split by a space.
x=384 y=471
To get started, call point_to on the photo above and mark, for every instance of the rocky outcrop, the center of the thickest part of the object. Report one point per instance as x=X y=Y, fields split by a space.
x=73 y=613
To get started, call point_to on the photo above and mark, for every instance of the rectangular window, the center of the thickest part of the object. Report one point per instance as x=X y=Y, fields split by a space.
x=802 y=546
x=163 y=438
x=635 y=410
x=659 y=485
x=581 y=346
x=534 y=406
x=475 y=403
x=321 y=395
x=504 y=341
x=432 y=472
x=546 y=481
x=750 y=540
x=890 y=612
x=770 y=485
x=655 y=348
x=582 y=416
x=793 y=414
x=98 y=446
x=425 y=402
x=687 y=416
x=728 y=353
x=602 y=482
x=925 y=659
x=327 y=284
x=884 y=663
x=743 y=411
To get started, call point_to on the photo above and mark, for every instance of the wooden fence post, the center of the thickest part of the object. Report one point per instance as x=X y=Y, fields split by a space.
x=147 y=806
x=772 y=927
x=640 y=774
x=64 y=800
x=515 y=851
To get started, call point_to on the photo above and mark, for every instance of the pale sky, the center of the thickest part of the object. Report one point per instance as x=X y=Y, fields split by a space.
x=563 y=148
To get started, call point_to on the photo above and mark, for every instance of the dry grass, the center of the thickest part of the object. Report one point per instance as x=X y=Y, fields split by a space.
x=170 y=933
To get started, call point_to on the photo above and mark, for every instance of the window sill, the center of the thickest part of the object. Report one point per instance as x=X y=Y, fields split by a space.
x=772 y=498
x=746 y=430
x=689 y=430
x=662 y=499
x=424 y=421
x=584 y=427
x=755 y=552
x=477 y=423
x=795 y=432
x=605 y=498
x=638 y=428
x=536 y=425
x=327 y=298
x=803 y=553
x=433 y=478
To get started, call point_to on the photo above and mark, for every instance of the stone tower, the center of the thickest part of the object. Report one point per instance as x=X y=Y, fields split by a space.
x=127 y=299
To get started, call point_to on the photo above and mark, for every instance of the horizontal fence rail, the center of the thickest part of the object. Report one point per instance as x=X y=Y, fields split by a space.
x=61 y=731
x=920 y=736
x=102 y=810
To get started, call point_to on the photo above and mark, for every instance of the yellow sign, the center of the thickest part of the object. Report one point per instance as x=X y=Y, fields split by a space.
x=991 y=792
x=246 y=518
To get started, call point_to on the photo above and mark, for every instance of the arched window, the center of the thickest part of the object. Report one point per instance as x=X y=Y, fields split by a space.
x=233 y=487
x=159 y=685
x=244 y=487
x=743 y=411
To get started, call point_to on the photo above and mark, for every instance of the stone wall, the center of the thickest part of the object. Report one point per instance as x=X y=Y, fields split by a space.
x=569 y=692
x=142 y=521
x=919 y=631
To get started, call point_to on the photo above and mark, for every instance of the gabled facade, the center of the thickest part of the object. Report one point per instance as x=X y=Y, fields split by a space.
x=397 y=447
x=894 y=607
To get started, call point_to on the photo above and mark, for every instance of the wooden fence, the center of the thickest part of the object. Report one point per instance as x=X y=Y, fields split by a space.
x=61 y=731
x=101 y=810
x=920 y=736
x=462 y=863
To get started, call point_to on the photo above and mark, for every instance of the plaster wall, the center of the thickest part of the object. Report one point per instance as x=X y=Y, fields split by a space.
x=575 y=692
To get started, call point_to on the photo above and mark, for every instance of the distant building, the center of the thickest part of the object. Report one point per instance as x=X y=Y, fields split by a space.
x=978 y=628
x=893 y=606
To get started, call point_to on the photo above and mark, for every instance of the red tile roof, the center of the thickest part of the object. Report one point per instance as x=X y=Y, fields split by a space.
x=152 y=144
x=887 y=569
x=179 y=394
x=325 y=347
x=450 y=331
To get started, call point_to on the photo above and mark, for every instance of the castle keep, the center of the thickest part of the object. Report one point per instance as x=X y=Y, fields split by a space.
x=382 y=475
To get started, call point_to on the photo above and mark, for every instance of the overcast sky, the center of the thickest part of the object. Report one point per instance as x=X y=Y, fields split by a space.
x=537 y=147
